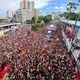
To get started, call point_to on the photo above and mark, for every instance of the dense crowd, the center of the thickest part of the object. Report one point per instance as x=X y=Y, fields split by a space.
x=32 y=58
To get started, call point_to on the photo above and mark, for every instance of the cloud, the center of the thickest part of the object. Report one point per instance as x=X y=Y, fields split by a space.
x=60 y=7
x=14 y=4
x=41 y=3
x=56 y=7
x=9 y=4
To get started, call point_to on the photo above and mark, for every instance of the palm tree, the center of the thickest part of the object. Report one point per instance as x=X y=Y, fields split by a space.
x=70 y=8
x=78 y=0
x=78 y=4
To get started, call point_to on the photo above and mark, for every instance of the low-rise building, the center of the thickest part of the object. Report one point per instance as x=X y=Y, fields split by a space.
x=55 y=16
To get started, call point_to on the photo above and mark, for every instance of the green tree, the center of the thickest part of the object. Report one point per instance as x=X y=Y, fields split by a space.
x=36 y=26
x=74 y=6
x=78 y=18
x=70 y=8
x=47 y=18
x=71 y=16
x=33 y=19
x=40 y=19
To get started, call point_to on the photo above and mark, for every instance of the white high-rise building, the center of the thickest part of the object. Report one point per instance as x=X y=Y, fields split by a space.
x=31 y=5
x=26 y=4
x=26 y=11
x=9 y=14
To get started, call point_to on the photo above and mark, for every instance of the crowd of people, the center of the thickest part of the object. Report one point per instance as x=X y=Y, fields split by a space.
x=32 y=58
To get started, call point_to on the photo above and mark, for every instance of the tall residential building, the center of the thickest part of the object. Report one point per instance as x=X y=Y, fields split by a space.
x=26 y=4
x=26 y=11
x=31 y=4
x=9 y=14
x=18 y=14
x=24 y=14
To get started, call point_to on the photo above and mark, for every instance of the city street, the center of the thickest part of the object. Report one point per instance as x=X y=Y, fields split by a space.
x=39 y=40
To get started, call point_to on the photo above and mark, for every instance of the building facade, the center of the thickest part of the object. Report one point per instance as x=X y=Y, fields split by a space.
x=9 y=15
x=26 y=11
x=55 y=16
x=24 y=4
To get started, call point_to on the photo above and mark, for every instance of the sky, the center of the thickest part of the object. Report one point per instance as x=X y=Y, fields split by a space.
x=45 y=6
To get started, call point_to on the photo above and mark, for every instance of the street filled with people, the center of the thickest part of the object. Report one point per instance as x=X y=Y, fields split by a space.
x=32 y=57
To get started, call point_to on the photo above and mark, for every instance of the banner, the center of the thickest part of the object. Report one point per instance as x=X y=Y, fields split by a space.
x=5 y=70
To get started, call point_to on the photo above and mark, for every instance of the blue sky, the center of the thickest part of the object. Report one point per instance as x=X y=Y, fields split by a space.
x=56 y=6
x=45 y=6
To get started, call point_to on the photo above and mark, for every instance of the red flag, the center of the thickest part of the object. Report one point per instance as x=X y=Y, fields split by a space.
x=5 y=70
